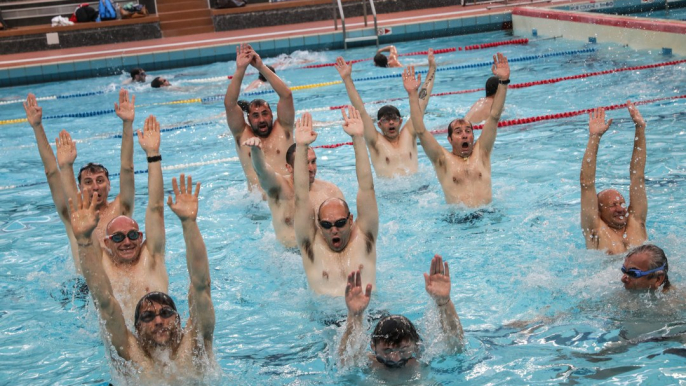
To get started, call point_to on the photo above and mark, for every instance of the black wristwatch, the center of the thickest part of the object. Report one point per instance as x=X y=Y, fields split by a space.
x=505 y=82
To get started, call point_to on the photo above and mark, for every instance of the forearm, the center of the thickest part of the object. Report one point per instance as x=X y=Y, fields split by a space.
x=234 y=89
x=638 y=157
x=301 y=177
x=416 y=114
x=498 y=103
x=277 y=84
x=353 y=327
x=45 y=151
x=450 y=322
x=265 y=173
x=196 y=256
x=588 y=164
x=155 y=182
x=126 y=177
x=90 y=257
x=363 y=167
x=68 y=181
x=427 y=87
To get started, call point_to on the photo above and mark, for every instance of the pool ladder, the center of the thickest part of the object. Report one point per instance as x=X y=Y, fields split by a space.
x=358 y=35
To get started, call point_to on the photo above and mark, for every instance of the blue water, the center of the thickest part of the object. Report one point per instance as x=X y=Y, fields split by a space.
x=521 y=258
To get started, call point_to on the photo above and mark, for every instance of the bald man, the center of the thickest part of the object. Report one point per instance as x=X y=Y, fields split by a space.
x=606 y=222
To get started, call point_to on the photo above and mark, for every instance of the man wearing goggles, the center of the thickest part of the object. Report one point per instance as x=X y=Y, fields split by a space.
x=92 y=177
x=394 y=150
x=645 y=268
x=395 y=342
x=606 y=222
x=159 y=333
x=331 y=242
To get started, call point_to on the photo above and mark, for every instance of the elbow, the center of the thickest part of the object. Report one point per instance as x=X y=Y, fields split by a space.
x=202 y=284
x=156 y=207
x=126 y=167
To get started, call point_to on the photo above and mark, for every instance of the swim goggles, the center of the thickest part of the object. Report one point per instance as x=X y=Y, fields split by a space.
x=340 y=223
x=405 y=354
x=149 y=316
x=119 y=236
x=636 y=273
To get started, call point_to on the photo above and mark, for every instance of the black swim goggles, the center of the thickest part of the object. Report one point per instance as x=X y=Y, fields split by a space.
x=340 y=223
x=636 y=273
x=118 y=237
x=149 y=316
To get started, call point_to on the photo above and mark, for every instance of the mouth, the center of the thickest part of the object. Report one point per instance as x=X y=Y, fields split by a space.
x=336 y=242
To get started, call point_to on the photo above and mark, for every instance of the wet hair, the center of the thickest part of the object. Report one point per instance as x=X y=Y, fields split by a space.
x=657 y=259
x=156 y=83
x=153 y=297
x=290 y=155
x=93 y=168
x=393 y=330
x=135 y=72
x=380 y=60
x=262 y=78
x=345 y=204
x=245 y=105
x=492 y=86
x=258 y=103
x=458 y=121
x=387 y=111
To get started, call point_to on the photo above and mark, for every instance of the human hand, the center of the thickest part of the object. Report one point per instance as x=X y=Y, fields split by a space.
x=253 y=142
x=344 y=69
x=84 y=217
x=255 y=59
x=186 y=205
x=500 y=68
x=34 y=113
x=126 y=110
x=356 y=300
x=409 y=81
x=304 y=135
x=149 y=138
x=353 y=125
x=596 y=123
x=243 y=56
x=66 y=149
x=432 y=60
x=437 y=281
x=635 y=115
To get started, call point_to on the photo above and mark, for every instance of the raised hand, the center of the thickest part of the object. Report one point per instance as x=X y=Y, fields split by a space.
x=356 y=300
x=126 y=110
x=84 y=217
x=432 y=60
x=437 y=281
x=243 y=56
x=353 y=123
x=344 y=69
x=500 y=67
x=596 y=123
x=34 y=113
x=255 y=59
x=66 y=149
x=149 y=138
x=304 y=135
x=409 y=81
x=635 y=114
x=253 y=142
x=186 y=205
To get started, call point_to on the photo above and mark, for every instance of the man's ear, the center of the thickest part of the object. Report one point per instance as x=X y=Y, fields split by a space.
x=660 y=280
x=289 y=168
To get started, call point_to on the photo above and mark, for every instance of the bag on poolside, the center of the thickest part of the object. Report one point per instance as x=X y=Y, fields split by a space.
x=230 y=4
x=107 y=10
x=85 y=13
x=59 y=21
x=130 y=11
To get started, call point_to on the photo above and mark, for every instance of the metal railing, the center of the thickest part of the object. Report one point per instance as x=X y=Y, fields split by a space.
x=342 y=14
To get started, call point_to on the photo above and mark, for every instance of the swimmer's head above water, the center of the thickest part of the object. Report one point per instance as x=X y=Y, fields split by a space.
x=612 y=209
x=395 y=341
x=260 y=118
x=311 y=162
x=95 y=178
x=492 y=86
x=389 y=121
x=646 y=268
x=461 y=137
x=380 y=60
x=335 y=223
x=160 y=82
x=124 y=240
x=157 y=322
x=262 y=78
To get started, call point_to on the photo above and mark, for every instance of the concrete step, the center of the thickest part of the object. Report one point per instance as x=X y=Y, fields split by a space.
x=188 y=31
x=188 y=23
x=185 y=15
x=181 y=6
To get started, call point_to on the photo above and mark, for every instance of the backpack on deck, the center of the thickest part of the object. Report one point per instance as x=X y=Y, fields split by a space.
x=107 y=10
x=85 y=14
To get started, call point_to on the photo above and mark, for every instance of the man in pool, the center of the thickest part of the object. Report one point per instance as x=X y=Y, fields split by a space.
x=92 y=177
x=381 y=60
x=276 y=136
x=280 y=192
x=160 y=82
x=259 y=82
x=161 y=351
x=645 y=268
x=481 y=108
x=394 y=150
x=464 y=172
x=605 y=221
x=137 y=76
x=331 y=242
x=395 y=341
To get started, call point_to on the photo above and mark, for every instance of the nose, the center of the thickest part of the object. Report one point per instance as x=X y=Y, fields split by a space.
x=625 y=278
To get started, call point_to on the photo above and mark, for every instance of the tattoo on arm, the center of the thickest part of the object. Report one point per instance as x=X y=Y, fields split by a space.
x=422 y=93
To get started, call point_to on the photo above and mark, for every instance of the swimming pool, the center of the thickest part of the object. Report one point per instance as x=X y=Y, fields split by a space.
x=520 y=257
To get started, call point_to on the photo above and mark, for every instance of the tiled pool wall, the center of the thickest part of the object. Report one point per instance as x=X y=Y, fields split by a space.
x=21 y=74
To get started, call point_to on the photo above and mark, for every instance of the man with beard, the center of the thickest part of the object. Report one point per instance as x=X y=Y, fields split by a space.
x=394 y=150
x=605 y=221
x=275 y=135
x=280 y=192
x=464 y=172
x=330 y=242
x=161 y=351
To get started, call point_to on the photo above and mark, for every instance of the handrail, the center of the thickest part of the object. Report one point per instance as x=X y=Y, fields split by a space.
x=364 y=8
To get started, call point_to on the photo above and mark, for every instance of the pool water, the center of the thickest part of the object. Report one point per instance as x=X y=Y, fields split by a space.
x=520 y=259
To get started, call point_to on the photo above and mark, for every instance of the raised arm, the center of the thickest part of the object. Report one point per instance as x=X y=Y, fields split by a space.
x=437 y=284
x=284 y=109
x=84 y=219
x=345 y=70
x=126 y=110
x=149 y=139
x=270 y=181
x=589 y=199
x=202 y=318
x=234 y=113
x=638 y=206
x=357 y=301
x=425 y=91
x=305 y=227
x=66 y=155
x=367 y=209
x=432 y=148
x=501 y=69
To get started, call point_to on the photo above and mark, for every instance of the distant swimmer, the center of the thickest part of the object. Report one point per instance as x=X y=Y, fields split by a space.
x=92 y=177
x=138 y=75
x=482 y=108
x=276 y=136
x=395 y=342
x=464 y=172
x=605 y=221
x=160 y=82
x=160 y=351
x=331 y=243
x=645 y=268
x=280 y=192
x=394 y=150
x=259 y=82
x=381 y=60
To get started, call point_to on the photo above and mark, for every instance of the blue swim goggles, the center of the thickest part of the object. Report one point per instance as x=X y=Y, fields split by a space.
x=636 y=273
